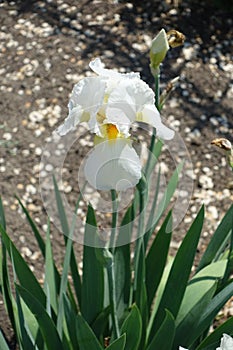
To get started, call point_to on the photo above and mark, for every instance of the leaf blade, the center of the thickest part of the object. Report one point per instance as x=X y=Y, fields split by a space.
x=176 y=280
x=93 y=273
x=132 y=327
x=86 y=337
x=163 y=338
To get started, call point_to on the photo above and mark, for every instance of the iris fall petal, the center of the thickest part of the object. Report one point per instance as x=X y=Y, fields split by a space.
x=113 y=165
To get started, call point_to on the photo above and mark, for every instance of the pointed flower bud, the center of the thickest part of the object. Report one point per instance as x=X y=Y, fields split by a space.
x=160 y=46
x=158 y=50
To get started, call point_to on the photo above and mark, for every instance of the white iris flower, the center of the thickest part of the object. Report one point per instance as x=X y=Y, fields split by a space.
x=110 y=102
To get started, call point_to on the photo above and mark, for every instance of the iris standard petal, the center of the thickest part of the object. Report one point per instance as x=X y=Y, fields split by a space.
x=131 y=97
x=113 y=164
x=97 y=66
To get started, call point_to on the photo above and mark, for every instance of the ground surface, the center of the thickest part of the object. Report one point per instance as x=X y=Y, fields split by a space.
x=45 y=47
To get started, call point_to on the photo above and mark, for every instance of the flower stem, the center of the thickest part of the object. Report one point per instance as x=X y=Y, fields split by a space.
x=114 y=219
x=112 y=298
x=110 y=267
x=157 y=105
x=157 y=90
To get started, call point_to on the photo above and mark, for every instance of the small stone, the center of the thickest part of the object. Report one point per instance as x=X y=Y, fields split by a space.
x=36 y=255
x=49 y=167
x=2 y=169
x=20 y=186
x=25 y=152
x=7 y=136
x=33 y=207
x=213 y=211
x=31 y=189
x=26 y=251
x=38 y=151
x=206 y=182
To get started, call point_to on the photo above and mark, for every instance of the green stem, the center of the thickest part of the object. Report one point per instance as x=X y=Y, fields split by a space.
x=112 y=298
x=157 y=105
x=114 y=219
x=110 y=267
x=157 y=90
x=140 y=249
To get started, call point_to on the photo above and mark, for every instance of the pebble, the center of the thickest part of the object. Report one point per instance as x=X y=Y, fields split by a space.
x=212 y=211
x=31 y=189
x=38 y=151
x=7 y=136
x=206 y=182
x=26 y=251
x=2 y=169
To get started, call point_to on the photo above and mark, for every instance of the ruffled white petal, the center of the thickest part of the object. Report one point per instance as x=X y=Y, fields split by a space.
x=86 y=99
x=226 y=343
x=97 y=66
x=113 y=165
x=88 y=93
x=71 y=121
x=126 y=102
x=150 y=115
x=180 y=348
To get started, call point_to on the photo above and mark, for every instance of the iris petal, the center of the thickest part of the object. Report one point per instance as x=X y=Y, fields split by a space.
x=113 y=165
x=86 y=99
x=150 y=115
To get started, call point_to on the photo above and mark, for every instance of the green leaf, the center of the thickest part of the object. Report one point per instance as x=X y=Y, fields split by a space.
x=6 y=286
x=179 y=274
x=31 y=324
x=23 y=272
x=25 y=339
x=122 y=269
x=86 y=337
x=156 y=150
x=210 y=312
x=3 y=343
x=2 y=215
x=63 y=286
x=153 y=208
x=46 y=324
x=201 y=283
x=35 y=230
x=164 y=336
x=197 y=297
x=219 y=236
x=118 y=344
x=68 y=232
x=156 y=259
x=122 y=263
x=140 y=296
x=229 y=267
x=41 y=242
x=213 y=340
x=70 y=317
x=164 y=202
x=101 y=322
x=93 y=273
x=61 y=210
x=50 y=282
x=132 y=327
